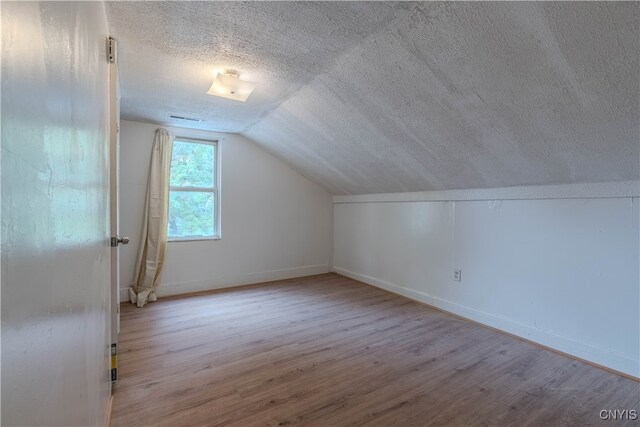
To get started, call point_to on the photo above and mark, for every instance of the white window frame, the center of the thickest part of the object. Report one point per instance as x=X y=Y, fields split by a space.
x=217 y=233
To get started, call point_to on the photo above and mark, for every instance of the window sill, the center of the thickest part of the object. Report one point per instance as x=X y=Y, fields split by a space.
x=193 y=239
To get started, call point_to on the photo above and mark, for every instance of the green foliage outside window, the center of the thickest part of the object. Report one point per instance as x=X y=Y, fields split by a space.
x=191 y=213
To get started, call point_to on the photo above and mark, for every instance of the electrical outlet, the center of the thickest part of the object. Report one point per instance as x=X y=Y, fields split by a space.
x=457 y=275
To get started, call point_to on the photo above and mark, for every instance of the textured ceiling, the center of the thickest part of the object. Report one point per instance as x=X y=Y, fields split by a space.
x=387 y=97
x=169 y=53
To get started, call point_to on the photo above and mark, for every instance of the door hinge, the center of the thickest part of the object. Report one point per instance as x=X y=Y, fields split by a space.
x=114 y=362
x=111 y=50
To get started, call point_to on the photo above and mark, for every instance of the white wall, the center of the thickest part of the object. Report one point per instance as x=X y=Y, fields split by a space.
x=561 y=272
x=55 y=252
x=276 y=224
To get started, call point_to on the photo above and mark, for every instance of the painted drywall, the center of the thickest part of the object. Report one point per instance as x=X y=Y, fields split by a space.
x=55 y=252
x=563 y=272
x=377 y=97
x=276 y=223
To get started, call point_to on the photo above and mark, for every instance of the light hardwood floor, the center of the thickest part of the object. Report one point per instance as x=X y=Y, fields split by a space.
x=330 y=351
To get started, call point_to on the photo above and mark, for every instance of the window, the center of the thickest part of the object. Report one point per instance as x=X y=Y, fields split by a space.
x=194 y=200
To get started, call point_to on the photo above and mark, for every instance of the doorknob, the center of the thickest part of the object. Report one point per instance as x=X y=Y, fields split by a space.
x=116 y=240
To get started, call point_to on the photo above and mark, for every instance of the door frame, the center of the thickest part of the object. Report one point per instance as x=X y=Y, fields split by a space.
x=114 y=197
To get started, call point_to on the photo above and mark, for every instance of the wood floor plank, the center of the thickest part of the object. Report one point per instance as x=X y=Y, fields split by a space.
x=330 y=351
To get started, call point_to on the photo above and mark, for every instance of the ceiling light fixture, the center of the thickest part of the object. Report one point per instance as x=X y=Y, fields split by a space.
x=228 y=85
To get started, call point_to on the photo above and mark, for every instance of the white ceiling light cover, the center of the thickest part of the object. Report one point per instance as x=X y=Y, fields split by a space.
x=228 y=85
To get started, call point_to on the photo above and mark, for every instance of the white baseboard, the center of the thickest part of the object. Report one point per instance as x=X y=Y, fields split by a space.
x=178 y=288
x=597 y=355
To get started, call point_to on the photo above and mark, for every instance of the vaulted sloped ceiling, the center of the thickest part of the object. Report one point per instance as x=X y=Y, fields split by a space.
x=387 y=97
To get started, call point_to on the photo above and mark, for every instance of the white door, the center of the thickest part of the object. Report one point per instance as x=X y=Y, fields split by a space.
x=114 y=201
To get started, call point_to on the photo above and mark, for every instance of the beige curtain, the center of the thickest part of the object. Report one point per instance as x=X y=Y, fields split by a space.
x=154 y=229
